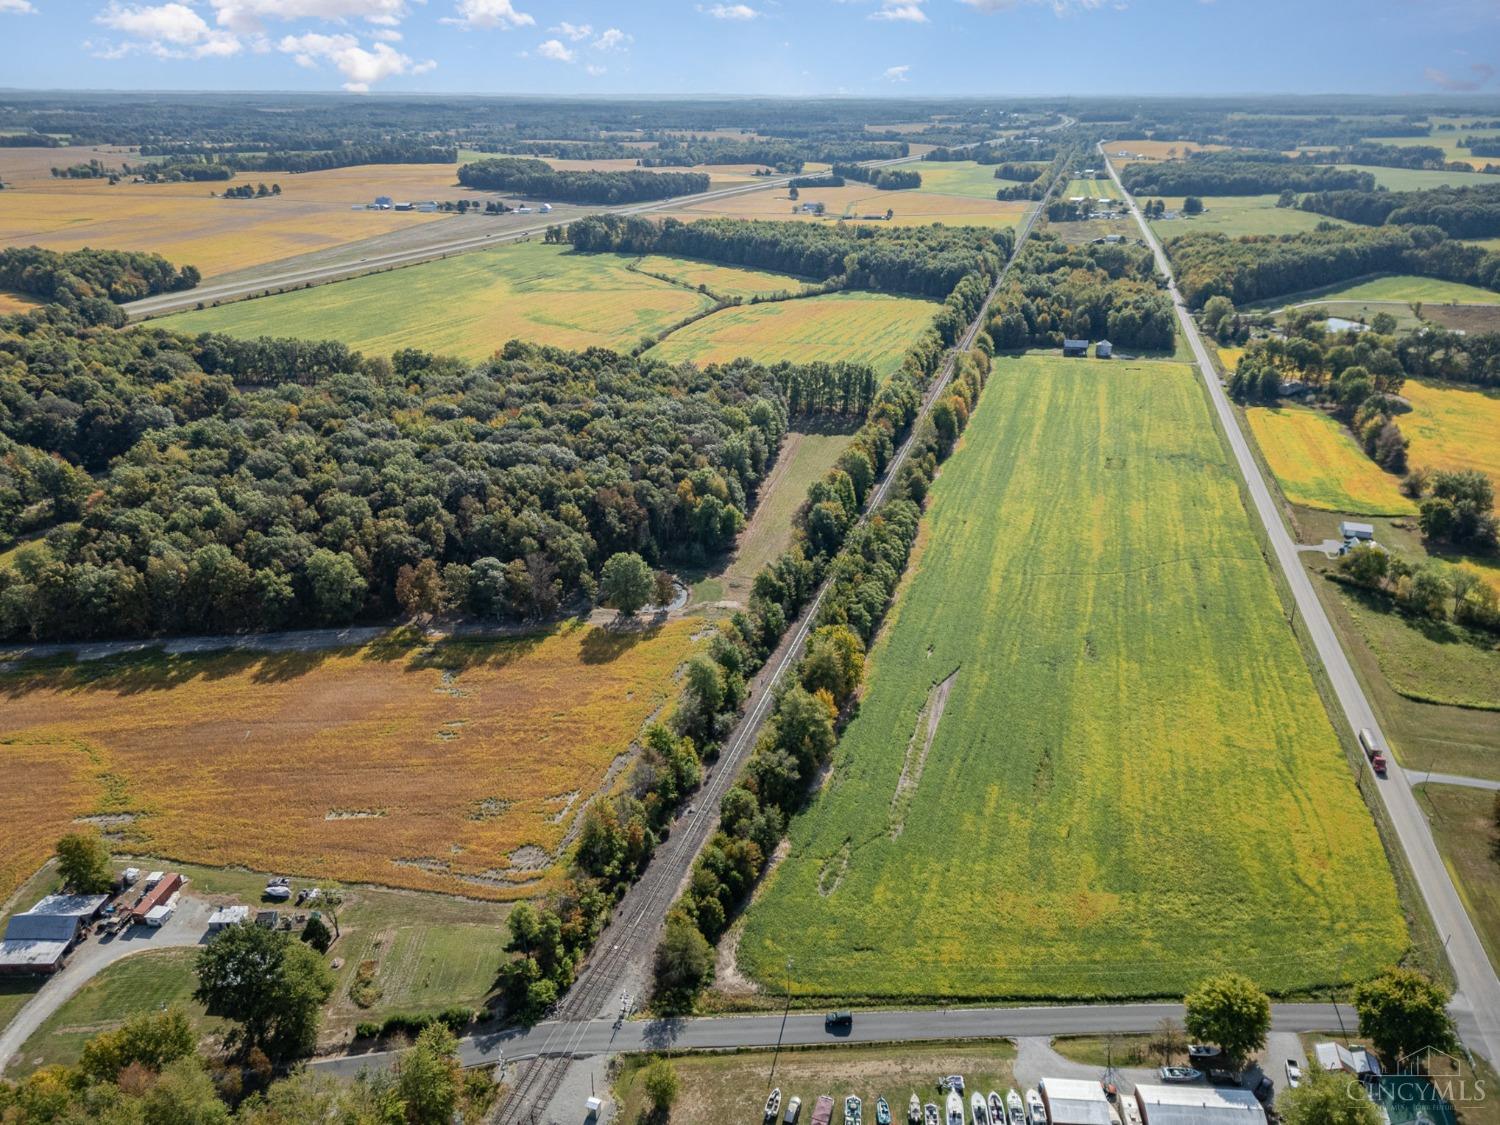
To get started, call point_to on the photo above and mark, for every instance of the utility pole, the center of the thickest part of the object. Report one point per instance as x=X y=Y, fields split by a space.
x=784 y=1013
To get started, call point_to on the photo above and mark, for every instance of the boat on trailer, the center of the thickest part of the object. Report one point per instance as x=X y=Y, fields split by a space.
x=914 y=1110
x=854 y=1111
x=882 y=1112
x=773 y=1104
x=930 y=1115
x=1038 y=1110
x=977 y=1113
x=1017 y=1107
x=997 y=1109
x=954 y=1109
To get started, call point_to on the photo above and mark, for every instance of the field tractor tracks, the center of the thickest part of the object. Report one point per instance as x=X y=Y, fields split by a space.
x=917 y=750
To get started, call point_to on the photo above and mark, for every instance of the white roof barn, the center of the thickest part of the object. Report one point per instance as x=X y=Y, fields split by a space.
x=1198 y=1105
x=1075 y=1101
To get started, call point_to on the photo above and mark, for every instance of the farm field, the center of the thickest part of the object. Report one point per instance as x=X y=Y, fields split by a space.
x=460 y=767
x=855 y=326
x=1156 y=150
x=1463 y=825
x=959 y=177
x=918 y=207
x=141 y=983
x=1453 y=427
x=1403 y=288
x=1415 y=179
x=469 y=305
x=1240 y=214
x=723 y=281
x=1319 y=465
x=1121 y=677
x=732 y=1087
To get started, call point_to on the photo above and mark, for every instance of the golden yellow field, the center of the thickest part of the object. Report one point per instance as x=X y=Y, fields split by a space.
x=458 y=768
x=1229 y=358
x=1452 y=427
x=912 y=208
x=725 y=281
x=1320 y=466
x=1156 y=150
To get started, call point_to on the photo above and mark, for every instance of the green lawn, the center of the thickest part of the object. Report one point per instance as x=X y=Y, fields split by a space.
x=1134 y=781
x=1239 y=214
x=469 y=305
x=142 y=982
x=1463 y=824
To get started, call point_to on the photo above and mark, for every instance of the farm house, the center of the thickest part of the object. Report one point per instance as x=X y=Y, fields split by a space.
x=38 y=940
x=1197 y=1105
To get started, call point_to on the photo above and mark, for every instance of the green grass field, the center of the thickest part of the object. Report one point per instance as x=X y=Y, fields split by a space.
x=1319 y=465
x=859 y=327
x=140 y=983
x=723 y=281
x=471 y=304
x=1405 y=287
x=959 y=177
x=1240 y=214
x=1463 y=825
x=1417 y=179
x=1134 y=781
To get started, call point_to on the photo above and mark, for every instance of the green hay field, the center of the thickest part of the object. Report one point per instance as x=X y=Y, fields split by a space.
x=1405 y=287
x=1418 y=179
x=1240 y=214
x=470 y=305
x=1134 y=781
x=723 y=281
x=959 y=177
x=859 y=327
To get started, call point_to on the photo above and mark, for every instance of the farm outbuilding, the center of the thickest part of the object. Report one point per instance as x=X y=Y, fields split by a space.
x=1076 y=348
x=1350 y=529
x=38 y=940
x=227 y=916
x=1103 y=349
x=1075 y=1101
x=1351 y=1060
x=158 y=895
x=1197 y=1105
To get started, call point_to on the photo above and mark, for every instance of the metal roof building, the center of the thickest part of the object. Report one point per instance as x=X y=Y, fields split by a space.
x=1075 y=1101
x=37 y=941
x=1198 y=1105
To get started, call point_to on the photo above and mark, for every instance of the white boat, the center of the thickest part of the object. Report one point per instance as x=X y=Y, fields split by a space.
x=773 y=1104
x=1038 y=1110
x=914 y=1110
x=854 y=1111
x=997 y=1109
x=954 y=1112
x=977 y=1113
x=930 y=1115
x=1017 y=1107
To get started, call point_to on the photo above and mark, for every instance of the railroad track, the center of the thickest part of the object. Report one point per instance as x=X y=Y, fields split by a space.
x=640 y=914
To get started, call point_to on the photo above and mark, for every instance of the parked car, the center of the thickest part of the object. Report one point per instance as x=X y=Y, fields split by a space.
x=1293 y=1074
x=1179 y=1074
x=838 y=1021
x=793 y=1108
x=1264 y=1090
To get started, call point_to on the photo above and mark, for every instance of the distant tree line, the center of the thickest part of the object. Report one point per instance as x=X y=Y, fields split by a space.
x=345 y=155
x=1256 y=267
x=826 y=180
x=1020 y=173
x=90 y=282
x=94 y=169
x=1459 y=212
x=246 y=191
x=1092 y=292
x=1238 y=177
x=180 y=171
x=885 y=179
x=998 y=152
x=537 y=179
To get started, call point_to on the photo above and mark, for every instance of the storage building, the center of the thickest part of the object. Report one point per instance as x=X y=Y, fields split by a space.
x=1075 y=1101
x=1076 y=348
x=157 y=896
x=227 y=916
x=1198 y=1105
x=1364 y=532
x=38 y=940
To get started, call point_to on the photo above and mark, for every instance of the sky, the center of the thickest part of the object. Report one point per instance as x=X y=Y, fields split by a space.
x=778 y=47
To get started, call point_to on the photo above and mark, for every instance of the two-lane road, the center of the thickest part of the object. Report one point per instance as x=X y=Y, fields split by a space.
x=1478 y=997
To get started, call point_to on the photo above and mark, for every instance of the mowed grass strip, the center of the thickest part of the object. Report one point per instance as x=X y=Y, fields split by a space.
x=1239 y=214
x=858 y=327
x=1134 y=781
x=459 y=767
x=1318 y=464
x=1452 y=427
x=1463 y=825
x=469 y=305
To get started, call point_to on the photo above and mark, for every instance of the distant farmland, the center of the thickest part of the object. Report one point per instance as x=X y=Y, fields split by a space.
x=469 y=305
x=1319 y=465
x=1133 y=781
x=460 y=767
x=1453 y=427
x=862 y=327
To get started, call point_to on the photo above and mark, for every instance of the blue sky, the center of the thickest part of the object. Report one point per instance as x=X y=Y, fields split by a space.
x=789 y=47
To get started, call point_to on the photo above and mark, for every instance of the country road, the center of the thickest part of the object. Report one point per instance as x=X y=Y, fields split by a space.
x=1478 y=988
x=605 y=1036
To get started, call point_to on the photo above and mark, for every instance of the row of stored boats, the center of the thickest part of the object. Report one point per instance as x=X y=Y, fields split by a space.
x=983 y=1110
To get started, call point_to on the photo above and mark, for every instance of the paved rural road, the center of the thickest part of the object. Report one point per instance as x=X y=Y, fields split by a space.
x=604 y=1036
x=1418 y=778
x=187 y=927
x=1478 y=996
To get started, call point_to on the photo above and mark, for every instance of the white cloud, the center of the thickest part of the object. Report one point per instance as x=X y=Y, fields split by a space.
x=488 y=14
x=361 y=68
x=896 y=73
x=596 y=71
x=573 y=31
x=386 y=35
x=1060 y=7
x=253 y=15
x=731 y=12
x=169 y=31
x=907 y=11
x=16 y=6
x=553 y=49
x=611 y=39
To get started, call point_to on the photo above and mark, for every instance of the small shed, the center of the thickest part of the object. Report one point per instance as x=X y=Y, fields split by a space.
x=1197 y=1105
x=227 y=916
x=1351 y=1060
x=158 y=895
x=267 y=919
x=1363 y=532
x=1103 y=349
x=1076 y=348
x=1075 y=1101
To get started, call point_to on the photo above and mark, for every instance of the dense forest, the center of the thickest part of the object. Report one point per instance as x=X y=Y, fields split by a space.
x=536 y=179
x=90 y=282
x=885 y=179
x=927 y=261
x=1257 y=267
x=1459 y=212
x=1205 y=175
x=1094 y=291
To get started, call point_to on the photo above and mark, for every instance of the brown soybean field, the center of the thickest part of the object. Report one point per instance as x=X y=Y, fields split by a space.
x=1089 y=759
x=469 y=305
x=860 y=327
x=460 y=767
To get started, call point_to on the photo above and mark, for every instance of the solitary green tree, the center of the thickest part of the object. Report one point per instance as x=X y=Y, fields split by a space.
x=1402 y=1011
x=83 y=863
x=659 y=1080
x=626 y=582
x=430 y=1079
x=1192 y=205
x=270 y=985
x=1325 y=1098
x=1231 y=1012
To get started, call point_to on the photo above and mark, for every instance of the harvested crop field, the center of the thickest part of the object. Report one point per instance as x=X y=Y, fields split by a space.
x=1453 y=427
x=858 y=327
x=459 y=767
x=918 y=207
x=1318 y=464
x=1134 y=781
x=471 y=304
